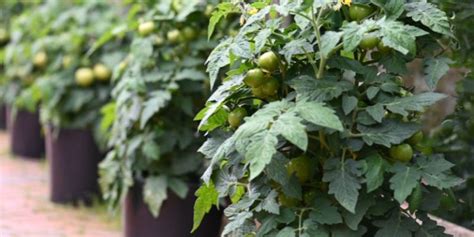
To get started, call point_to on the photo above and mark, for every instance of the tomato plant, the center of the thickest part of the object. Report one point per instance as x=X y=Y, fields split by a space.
x=323 y=150
x=455 y=137
x=158 y=88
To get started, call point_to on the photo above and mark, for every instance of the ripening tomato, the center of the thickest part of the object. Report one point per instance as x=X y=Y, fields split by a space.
x=286 y=201
x=269 y=61
x=173 y=36
x=254 y=77
x=189 y=33
x=402 y=152
x=236 y=116
x=146 y=28
x=383 y=49
x=84 y=77
x=102 y=72
x=41 y=59
x=270 y=87
x=258 y=92
x=416 y=138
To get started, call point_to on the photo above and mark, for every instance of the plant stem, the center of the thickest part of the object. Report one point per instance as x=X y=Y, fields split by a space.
x=315 y=23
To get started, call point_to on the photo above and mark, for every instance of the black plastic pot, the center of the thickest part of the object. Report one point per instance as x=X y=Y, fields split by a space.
x=3 y=117
x=26 y=139
x=74 y=158
x=175 y=219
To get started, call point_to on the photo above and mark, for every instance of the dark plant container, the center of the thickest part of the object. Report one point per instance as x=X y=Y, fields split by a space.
x=3 y=117
x=175 y=219
x=26 y=139
x=74 y=157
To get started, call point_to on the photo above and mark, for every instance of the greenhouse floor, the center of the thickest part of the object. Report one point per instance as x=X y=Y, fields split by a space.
x=25 y=210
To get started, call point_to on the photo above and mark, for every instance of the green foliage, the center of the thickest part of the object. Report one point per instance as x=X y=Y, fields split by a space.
x=337 y=104
x=455 y=138
x=158 y=88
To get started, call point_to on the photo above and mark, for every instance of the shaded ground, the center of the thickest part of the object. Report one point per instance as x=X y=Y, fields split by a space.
x=25 y=210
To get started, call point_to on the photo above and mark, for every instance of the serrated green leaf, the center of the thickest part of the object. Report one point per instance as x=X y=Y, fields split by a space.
x=151 y=150
x=286 y=232
x=387 y=133
x=430 y=16
x=308 y=88
x=178 y=186
x=344 y=183
x=260 y=152
x=329 y=40
x=374 y=175
x=207 y=196
x=398 y=36
x=396 y=226
x=324 y=212
x=435 y=69
x=290 y=127
x=376 y=112
x=353 y=219
x=316 y=113
x=158 y=100
x=155 y=193
x=349 y=103
x=403 y=181
x=415 y=103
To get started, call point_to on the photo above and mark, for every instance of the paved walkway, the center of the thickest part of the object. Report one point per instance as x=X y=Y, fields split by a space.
x=25 y=210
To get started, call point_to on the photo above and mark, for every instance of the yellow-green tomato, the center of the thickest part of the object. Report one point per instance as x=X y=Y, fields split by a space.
x=102 y=72
x=416 y=138
x=369 y=42
x=146 y=28
x=402 y=152
x=41 y=59
x=286 y=201
x=301 y=167
x=67 y=61
x=258 y=92
x=236 y=116
x=173 y=36
x=84 y=76
x=254 y=78
x=4 y=36
x=189 y=33
x=269 y=61
x=270 y=87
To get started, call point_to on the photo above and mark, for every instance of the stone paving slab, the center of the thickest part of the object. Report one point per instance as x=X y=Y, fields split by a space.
x=25 y=209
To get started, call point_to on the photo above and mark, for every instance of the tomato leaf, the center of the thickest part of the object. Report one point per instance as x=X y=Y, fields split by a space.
x=344 y=182
x=207 y=196
x=404 y=181
x=430 y=16
x=413 y=103
x=155 y=193
x=388 y=132
x=435 y=69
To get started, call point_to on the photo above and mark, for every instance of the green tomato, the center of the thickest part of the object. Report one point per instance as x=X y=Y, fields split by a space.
x=286 y=201
x=402 y=152
x=369 y=42
x=384 y=50
x=189 y=33
x=447 y=202
x=270 y=87
x=301 y=167
x=258 y=92
x=146 y=28
x=236 y=116
x=173 y=36
x=269 y=61
x=416 y=138
x=254 y=78
x=358 y=12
